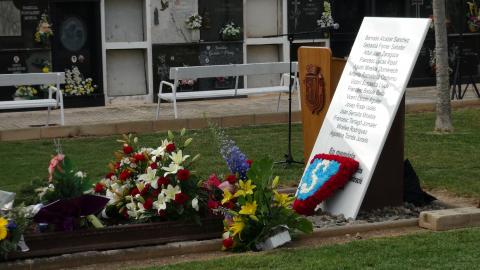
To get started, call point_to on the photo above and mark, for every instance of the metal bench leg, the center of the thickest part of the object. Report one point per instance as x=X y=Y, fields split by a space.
x=48 y=116
x=278 y=102
x=175 y=107
x=62 y=117
x=158 y=108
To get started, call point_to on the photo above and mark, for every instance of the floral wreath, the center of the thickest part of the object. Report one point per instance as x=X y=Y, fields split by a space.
x=325 y=174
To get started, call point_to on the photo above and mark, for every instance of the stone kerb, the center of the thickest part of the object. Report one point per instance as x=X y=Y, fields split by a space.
x=448 y=219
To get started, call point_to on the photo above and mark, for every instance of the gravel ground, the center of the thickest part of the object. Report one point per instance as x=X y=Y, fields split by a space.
x=407 y=211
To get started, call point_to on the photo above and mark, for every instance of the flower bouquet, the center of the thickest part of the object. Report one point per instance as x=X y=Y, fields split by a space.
x=63 y=204
x=151 y=184
x=44 y=31
x=25 y=92
x=230 y=32
x=473 y=16
x=76 y=84
x=254 y=211
x=256 y=214
x=194 y=22
x=326 y=20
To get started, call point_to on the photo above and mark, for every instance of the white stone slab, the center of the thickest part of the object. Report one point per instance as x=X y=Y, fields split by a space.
x=366 y=100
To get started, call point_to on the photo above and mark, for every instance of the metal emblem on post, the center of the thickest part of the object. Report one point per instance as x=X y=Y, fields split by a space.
x=315 y=89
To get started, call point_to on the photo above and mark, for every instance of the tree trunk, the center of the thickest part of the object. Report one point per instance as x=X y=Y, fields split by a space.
x=443 y=122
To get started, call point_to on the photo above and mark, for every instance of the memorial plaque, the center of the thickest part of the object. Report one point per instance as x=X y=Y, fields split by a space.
x=367 y=99
x=216 y=14
x=220 y=54
x=19 y=21
x=21 y=61
x=167 y=56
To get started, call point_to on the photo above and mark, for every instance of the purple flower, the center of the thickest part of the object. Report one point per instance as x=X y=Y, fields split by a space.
x=236 y=160
x=11 y=225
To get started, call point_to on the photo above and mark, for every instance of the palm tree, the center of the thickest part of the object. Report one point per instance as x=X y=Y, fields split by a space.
x=443 y=122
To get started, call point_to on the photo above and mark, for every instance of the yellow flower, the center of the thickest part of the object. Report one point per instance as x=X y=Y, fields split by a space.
x=275 y=182
x=282 y=200
x=237 y=226
x=45 y=69
x=249 y=209
x=3 y=228
x=245 y=188
x=227 y=196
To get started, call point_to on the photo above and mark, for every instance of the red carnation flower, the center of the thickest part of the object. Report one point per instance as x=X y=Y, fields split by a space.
x=155 y=193
x=162 y=213
x=99 y=188
x=127 y=149
x=213 y=181
x=163 y=181
x=125 y=213
x=232 y=179
x=170 y=147
x=212 y=204
x=181 y=198
x=249 y=162
x=124 y=175
x=148 y=203
x=228 y=243
x=109 y=175
x=154 y=165
x=183 y=174
x=117 y=165
x=229 y=205
x=139 y=157
x=134 y=191
x=145 y=189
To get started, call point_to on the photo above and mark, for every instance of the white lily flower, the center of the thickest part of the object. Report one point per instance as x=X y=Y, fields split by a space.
x=195 y=204
x=150 y=177
x=178 y=157
x=80 y=174
x=172 y=169
x=160 y=151
x=132 y=208
x=124 y=161
x=160 y=203
x=115 y=193
x=170 y=192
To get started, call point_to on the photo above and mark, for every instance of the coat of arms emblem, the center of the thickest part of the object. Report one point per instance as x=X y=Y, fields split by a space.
x=315 y=89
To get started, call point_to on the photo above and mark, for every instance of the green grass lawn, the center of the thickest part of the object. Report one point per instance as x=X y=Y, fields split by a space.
x=450 y=161
x=446 y=250
x=21 y=161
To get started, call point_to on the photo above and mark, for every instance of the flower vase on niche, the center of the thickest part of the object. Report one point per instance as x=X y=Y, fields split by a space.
x=195 y=34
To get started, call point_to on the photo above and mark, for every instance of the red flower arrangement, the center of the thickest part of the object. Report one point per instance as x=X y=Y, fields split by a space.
x=310 y=192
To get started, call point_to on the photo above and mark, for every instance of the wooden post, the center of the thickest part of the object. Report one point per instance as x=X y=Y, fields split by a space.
x=312 y=121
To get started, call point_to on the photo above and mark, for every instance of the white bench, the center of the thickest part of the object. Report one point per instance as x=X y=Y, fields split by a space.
x=234 y=70
x=35 y=79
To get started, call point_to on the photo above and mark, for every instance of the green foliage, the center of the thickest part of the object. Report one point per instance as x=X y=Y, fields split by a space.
x=68 y=184
x=27 y=193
